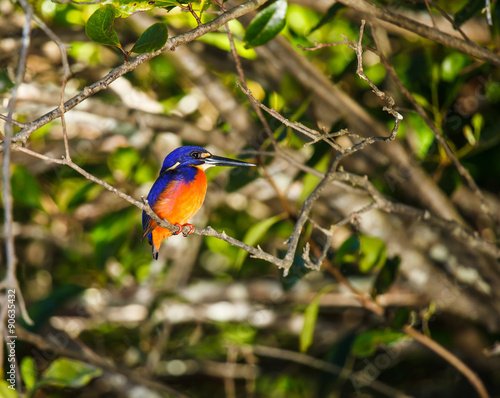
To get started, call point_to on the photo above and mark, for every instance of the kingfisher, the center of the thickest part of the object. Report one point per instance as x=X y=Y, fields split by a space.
x=179 y=191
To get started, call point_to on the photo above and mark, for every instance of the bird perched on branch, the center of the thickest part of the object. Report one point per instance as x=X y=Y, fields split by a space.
x=179 y=191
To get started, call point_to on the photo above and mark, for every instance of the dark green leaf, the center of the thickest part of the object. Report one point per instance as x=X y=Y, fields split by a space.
x=25 y=188
x=386 y=276
x=367 y=342
x=470 y=9
x=5 y=82
x=310 y=317
x=348 y=252
x=267 y=24
x=99 y=27
x=66 y=372
x=328 y=16
x=152 y=39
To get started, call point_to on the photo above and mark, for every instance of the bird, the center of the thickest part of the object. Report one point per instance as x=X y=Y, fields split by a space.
x=179 y=191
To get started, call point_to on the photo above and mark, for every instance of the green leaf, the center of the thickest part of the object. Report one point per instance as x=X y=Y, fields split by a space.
x=25 y=188
x=470 y=9
x=65 y=372
x=310 y=317
x=28 y=372
x=492 y=91
x=254 y=234
x=423 y=134
x=328 y=16
x=124 y=161
x=267 y=24
x=386 y=276
x=366 y=343
x=477 y=122
x=204 y=6
x=452 y=65
x=373 y=253
x=152 y=39
x=5 y=391
x=5 y=83
x=125 y=8
x=99 y=27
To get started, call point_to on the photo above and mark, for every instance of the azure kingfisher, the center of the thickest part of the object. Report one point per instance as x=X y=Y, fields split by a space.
x=179 y=191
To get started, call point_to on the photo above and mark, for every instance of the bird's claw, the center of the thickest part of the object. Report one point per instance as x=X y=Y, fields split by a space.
x=181 y=227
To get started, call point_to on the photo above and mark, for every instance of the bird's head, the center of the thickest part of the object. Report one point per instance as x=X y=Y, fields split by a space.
x=196 y=156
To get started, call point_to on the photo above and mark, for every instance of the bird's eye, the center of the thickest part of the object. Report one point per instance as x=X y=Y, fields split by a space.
x=196 y=155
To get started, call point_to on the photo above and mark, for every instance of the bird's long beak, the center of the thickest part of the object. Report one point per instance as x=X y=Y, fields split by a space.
x=220 y=161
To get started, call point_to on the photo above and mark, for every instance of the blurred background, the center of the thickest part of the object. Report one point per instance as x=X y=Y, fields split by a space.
x=207 y=319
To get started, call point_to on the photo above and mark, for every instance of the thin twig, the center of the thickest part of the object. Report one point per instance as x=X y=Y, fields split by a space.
x=10 y=281
x=450 y=358
x=430 y=13
x=449 y=19
x=198 y=20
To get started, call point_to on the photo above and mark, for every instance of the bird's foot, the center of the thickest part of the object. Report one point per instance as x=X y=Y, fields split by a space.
x=181 y=227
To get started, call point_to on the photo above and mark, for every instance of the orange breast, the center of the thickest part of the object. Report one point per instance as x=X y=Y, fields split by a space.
x=178 y=203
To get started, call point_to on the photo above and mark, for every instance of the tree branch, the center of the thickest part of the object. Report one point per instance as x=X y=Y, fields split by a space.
x=114 y=74
x=400 y=20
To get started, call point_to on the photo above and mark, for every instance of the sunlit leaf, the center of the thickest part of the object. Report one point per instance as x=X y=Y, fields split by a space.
x=452 y=65
x=204 y=5
x=65 y=372
x=124 y=161
x=477 y=122
x=310 y=317
x=152 y=39
x=267 y=24
x=373 y=253
x=99 y=27
x=125 y=8
x=5 y=391
x=424 y=136
x=28 y=372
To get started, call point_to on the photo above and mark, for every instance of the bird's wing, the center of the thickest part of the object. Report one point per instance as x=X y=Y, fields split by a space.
x=148 y=225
